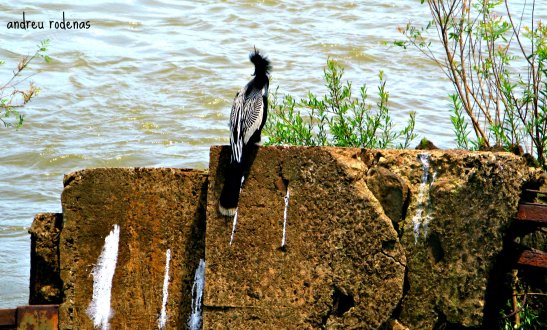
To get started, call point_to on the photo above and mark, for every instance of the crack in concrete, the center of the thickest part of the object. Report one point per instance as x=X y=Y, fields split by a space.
x=392 y=258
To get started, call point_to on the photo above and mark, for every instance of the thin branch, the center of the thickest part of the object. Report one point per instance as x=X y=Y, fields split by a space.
x=517 y=34
x=20 y=67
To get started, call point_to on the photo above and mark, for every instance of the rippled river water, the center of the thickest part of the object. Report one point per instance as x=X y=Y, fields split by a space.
x=150 y=83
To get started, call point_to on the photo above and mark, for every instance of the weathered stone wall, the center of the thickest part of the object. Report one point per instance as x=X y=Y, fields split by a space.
x=156 y=210
x=472 y=199
x=351 y=235
x=45 y=281
x=342 y=266
x=372 y=237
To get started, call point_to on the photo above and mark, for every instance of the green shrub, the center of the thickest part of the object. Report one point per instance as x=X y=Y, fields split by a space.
x=337 y=118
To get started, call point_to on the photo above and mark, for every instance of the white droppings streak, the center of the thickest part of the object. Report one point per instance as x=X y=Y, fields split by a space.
x=428 y=217
x=162 y=320
x=416 y=222
x=234 y=223
x=195 y=321
x=422 y=217
x=285 y=213
x=103 y=272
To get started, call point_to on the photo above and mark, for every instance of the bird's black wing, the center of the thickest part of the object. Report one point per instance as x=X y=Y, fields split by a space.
x=245 y=119
x=253 y=112
x=236 y=127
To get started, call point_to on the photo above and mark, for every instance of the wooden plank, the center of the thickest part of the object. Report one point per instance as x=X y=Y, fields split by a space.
x=533 y=213
x=7 y=318
x=532 y=258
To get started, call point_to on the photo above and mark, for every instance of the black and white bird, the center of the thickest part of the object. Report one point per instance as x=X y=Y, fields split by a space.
x=247 y=118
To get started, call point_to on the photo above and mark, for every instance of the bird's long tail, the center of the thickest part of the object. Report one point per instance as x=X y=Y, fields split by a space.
x=229 y=197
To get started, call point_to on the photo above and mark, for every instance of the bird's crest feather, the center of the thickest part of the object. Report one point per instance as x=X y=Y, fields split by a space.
x=262 y=64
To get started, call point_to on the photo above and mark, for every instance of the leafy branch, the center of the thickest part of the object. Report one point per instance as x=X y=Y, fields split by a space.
x=12 y=96
x=479 y=49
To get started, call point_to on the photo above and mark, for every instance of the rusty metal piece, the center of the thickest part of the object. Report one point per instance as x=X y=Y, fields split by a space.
x=533 y=213
x=38 y=317
x=532 y=258
x=529 y=217
x=32 y=317
x=539 y=192
x=8 y=318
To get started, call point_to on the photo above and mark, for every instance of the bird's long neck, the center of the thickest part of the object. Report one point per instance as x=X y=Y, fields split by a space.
x=261 y=81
